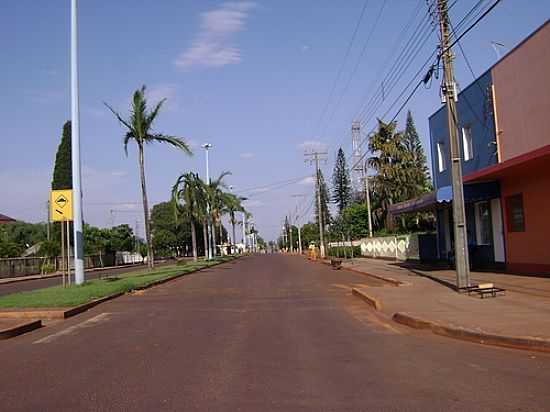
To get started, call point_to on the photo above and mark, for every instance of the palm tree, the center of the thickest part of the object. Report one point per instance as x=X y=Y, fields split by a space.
x=215 y=201
x=189 y=189
x=233 y=204
x=140 y=129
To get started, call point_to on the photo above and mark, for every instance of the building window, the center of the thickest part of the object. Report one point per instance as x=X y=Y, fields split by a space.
x=514 y=210
x=467 y=144
x=483 y=223
x=441 y=159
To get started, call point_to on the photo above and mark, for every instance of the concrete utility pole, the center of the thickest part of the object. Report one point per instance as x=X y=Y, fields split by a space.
x=289 y=226
x=367 y=194
x=449 y=91
x=297 y=224
x=206 y=147
x=315 y=157
x=75 y=152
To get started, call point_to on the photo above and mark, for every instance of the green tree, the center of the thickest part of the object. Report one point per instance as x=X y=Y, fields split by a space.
x=139 y=128
x=190 y=202
x=389 y=162
x=62 y=171
x=341 y=184
x=418 y=181
x=170 y=229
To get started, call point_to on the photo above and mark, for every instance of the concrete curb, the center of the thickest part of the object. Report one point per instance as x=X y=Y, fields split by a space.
x=19 y=329
x=514 y=342
x=372 y=301
x=391 y=281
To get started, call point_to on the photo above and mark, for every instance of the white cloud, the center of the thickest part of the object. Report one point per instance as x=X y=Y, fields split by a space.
x=212 y=46
x=247 y=155
x=312 y=145
x=310 y=180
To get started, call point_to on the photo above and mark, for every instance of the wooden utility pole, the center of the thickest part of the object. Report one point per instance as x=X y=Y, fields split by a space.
x=316 y=157
x=448 y=88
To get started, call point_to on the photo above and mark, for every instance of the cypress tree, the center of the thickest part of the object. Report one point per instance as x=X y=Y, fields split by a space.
x=62 y=172
x=419 y=175
x=341 y=188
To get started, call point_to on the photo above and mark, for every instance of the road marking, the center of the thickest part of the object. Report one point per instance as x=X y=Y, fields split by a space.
x=86 y=324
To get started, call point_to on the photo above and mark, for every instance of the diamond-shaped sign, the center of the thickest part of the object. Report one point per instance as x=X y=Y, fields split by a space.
x=61 y=208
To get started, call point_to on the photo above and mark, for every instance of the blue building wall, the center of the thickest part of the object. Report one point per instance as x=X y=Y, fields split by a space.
x=474 y=108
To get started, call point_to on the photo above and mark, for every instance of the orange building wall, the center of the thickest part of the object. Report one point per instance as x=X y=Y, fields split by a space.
x=522 y=96
x=529 y=251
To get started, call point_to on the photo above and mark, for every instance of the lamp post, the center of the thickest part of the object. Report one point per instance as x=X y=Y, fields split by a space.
x=206 y=148
x=75 y=152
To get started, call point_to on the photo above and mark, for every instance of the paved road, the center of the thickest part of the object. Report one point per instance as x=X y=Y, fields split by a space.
x=265 y=333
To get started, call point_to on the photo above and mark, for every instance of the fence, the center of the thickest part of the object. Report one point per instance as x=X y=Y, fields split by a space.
x=400 y=247
x=15 y=267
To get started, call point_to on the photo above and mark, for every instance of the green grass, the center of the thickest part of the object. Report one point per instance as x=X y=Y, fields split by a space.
x=58 y=296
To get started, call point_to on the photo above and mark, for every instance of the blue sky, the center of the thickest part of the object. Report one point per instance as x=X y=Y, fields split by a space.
x=250 y=77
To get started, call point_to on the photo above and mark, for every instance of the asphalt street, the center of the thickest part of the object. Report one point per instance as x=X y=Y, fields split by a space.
x=263 y=333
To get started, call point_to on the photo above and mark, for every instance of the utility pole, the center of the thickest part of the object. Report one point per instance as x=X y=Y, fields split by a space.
x=298 y=225
x=75 y=152
x=449 y=91
x=288 y=224
x=316 y=157
x=367 y=194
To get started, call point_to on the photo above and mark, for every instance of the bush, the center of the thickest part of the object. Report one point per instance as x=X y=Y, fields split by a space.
x=344 y=251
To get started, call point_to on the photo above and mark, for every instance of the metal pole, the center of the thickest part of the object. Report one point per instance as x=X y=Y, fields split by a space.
x=449 y=90
x=75 y=145
x=299 y=240
x=69 y=252
x=207 y=146
x=367 y=195
x=62 y=227
x=244 y=232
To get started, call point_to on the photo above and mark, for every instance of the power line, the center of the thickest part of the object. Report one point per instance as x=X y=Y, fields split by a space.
x=340 y=70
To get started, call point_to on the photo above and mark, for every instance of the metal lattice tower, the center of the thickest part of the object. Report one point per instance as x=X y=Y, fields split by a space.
x=356 y=156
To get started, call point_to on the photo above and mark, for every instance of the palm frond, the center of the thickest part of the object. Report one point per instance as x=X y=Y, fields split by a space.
x=171 y=140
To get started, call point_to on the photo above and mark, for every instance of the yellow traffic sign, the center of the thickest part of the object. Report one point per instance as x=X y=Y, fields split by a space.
x=61 y=205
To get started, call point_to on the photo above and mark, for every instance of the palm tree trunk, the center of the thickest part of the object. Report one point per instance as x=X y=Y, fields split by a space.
x=205 y=237
x=194 y=240
x=150 y=258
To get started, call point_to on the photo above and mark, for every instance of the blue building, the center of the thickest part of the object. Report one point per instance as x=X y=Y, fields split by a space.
x=478 y=150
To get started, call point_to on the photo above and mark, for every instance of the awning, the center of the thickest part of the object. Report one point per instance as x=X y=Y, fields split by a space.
x=473 y=192
x=532 y=161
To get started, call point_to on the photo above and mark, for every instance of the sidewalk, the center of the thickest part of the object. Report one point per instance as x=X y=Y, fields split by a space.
x=523 y=312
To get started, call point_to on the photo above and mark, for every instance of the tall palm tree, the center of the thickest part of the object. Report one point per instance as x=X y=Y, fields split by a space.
x=215 y=201
x=189 y=190
x=139 y=128
x=233 y=204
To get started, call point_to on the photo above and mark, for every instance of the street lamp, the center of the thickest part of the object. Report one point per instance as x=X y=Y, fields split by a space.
x=206 y=147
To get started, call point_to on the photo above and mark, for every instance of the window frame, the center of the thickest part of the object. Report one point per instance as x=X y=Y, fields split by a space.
x=441 y=158
x=467 y=143
x=510 y=224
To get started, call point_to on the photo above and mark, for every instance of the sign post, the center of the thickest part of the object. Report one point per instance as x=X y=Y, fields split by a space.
x=61 y=210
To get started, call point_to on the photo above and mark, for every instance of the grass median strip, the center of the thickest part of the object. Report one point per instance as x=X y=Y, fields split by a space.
x=58 y=296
